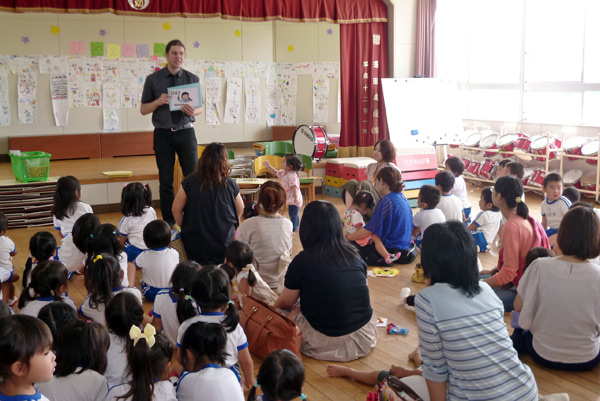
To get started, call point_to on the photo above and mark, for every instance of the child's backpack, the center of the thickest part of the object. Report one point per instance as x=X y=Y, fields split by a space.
x=393 y=389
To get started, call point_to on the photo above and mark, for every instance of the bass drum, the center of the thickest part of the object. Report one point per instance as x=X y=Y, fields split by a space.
x=310 y=141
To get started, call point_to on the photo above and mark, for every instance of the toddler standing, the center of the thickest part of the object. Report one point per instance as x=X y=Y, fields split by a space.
x=429 y=198
x=136 y=206
x=288 y=175
x=486 y=224
x=457 y=166
x=7 y=270
x=353 y=220
x=66 y=210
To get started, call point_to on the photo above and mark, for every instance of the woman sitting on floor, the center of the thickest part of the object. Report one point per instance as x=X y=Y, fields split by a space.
x=335 y=316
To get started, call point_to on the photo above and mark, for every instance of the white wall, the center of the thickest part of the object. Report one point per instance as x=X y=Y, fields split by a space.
x=259 y=41
x=404 y=37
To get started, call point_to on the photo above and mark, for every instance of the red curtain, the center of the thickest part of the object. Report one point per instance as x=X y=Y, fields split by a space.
x=338 y=11
x=363 y=59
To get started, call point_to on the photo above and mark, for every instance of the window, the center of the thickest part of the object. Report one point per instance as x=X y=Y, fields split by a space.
x=522 y=60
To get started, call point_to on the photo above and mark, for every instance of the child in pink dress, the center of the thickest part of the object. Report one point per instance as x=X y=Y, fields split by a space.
x=288 y=175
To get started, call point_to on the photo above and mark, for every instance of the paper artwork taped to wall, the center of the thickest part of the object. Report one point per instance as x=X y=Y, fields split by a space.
x=111 y=119
x=129 y=96
x=320 y=99
x=233 y=101
x=253 y=101
x=52 y=64
x=213 y=99
x=111 y=95
x=288 y=82
x=76 y=98
x=59 y=91
x=93 y=96
x=27 y=97
x=4 y=104
x=110 y=71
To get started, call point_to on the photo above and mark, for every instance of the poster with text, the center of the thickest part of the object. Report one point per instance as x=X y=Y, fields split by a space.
x=59 y=91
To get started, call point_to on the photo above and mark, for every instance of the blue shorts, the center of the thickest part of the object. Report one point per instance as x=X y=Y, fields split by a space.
x=150 y=292
x=480 y=240
x=132 y=251
x=236 y=371
x=419 y=240
x=551 y=231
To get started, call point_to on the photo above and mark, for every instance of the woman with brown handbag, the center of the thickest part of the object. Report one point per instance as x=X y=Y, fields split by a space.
x=330 y=278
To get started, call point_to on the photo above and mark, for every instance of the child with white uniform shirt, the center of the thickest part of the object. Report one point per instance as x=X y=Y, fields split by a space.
x=554 y=206
x=65 y=211
x=449 y=204
x=7 y=270
x=457 y=167
x=486 y=224
x=136 y=206
x=108 y=240
x=159 y=261
x=165 y=315
x=429 y=198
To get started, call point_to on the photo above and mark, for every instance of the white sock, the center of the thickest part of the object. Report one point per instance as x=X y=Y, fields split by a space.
x=403 y=294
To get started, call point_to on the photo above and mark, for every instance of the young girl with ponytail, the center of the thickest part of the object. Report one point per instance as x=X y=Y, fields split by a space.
x=211 y=296
x=103 y=281
x=170 y=306
x=280 y=377
x=148 y=357
x=520 y=234
x=42 y=246
x=48 y=283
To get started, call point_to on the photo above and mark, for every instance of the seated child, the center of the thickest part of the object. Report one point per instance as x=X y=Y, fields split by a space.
x=501 y=172
x=449 y=204
x=246 y=280
x=487 y=223
x=353 y=220
x=8 y=276
x=554 y=206
x=159 y=261
x=429 y=197
x=457 y=166
x=515 y=169
x=280 y=377
x=572 y=194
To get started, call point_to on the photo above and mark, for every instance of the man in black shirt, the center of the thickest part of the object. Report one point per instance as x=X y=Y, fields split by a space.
x=173 y=130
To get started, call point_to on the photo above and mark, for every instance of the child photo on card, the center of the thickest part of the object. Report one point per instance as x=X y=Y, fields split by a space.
x=185 y=94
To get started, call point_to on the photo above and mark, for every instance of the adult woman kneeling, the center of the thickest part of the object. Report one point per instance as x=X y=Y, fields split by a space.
x=207 y=207
x=330 y=278
x=392 y=221
x=559 y=300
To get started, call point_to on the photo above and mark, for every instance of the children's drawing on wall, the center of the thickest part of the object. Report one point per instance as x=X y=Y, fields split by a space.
x=110 y=71
x=52 y=64
x=253 y=102
x=111 y=95
x=213 y=98
x=27 y=97
x=129 y=96
x=320 y=99
x=233 y=101
x=93 y=97
x=288 y=82
x=59 y=92
x=92 y=70
x=76 y=97
x=25 y=64
x=4 y=104
x=110 y=119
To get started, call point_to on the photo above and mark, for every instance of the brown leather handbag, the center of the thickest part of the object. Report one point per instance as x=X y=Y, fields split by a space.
x=268 y=330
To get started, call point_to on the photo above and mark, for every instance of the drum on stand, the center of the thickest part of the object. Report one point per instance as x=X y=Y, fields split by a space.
x=310 y=141
x=515 y=142
x=537 y=181
x=488 y=169
x=527 y=173
x=588 y=183
x=573 y=146
x=467 y=162
x=573 y=178
x=489 y=143
x=474 y=167
x=539 y=145
x=590 y=149
x=472 y=141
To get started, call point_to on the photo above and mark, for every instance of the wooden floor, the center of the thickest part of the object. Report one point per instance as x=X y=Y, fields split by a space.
x=391 y=349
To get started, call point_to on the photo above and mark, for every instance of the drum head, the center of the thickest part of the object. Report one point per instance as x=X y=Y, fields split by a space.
x=506 y=139
x=590 y=148
x=489 y=141
x=572 y=176
x=473 y=140
x=527 y=173
x=588 y=179
x=304 y=141
x=540 y=143
x=576 y=142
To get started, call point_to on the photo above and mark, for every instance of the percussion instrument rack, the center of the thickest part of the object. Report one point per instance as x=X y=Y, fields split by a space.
x=559 y=155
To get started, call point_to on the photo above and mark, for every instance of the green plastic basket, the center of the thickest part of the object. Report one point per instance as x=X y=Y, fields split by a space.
x=31 y=166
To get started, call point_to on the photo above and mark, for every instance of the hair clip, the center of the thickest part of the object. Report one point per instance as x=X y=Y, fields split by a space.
x=148 y=334
x=518 y=199
x=52 y=292
x=254 y=204
x=256 y=383
x=182 y=289
x=302 y=396
x=114 y=233
x=91 y=235
x=31 y=291
x=230 y=302
x=98 y=257
x=189 y=298
x=88 y=321
x=247 y=268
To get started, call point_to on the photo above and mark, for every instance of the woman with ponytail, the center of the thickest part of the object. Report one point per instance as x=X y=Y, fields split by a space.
x=270 y=233
x=203 y=355
x=280 y=377
x=148 y=357
x=520 y=234
x=211 y=294
x=103 y=281
x=392 y=221
x=42 y=246
x=173 y=306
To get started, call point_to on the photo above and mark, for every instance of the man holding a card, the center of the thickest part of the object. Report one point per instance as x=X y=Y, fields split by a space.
x=173 y=116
